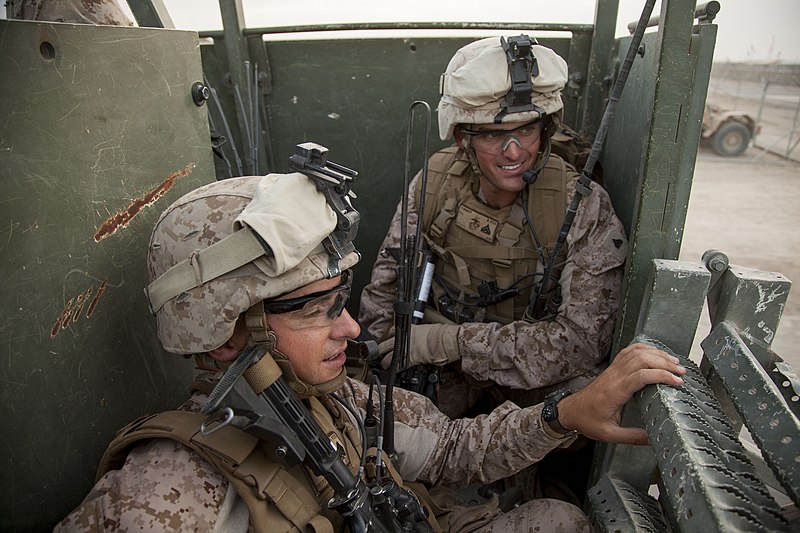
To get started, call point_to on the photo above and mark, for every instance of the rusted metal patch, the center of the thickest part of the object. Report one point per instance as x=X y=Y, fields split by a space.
x=74 y=307
x=120 y=219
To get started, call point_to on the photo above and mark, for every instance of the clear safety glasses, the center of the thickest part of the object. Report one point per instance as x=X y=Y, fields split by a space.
x=318 y=309
x=497 y=141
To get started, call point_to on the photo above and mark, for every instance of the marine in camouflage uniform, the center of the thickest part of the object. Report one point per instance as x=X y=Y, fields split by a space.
x=102 y=12
x=496 y=353
x=215 y=291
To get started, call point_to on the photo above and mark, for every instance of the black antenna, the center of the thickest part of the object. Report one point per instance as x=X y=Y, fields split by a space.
x=409 y=249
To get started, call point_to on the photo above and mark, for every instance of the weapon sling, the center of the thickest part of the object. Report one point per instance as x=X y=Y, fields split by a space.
x=537 y=307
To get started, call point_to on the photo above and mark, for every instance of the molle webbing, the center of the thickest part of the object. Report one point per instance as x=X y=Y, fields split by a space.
x=450 y=170
x=445 y=163
x=468 y=260
x=239 y=457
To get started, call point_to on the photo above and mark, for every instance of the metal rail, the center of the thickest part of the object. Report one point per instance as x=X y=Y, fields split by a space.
x=707 y=478
x=703 y=13
x=370 y=26
x=617 y=506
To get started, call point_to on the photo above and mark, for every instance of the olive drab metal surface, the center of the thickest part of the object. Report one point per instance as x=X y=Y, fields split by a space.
x=709 y=478
x=352 y=96
x=652 y=144
x=98 y=134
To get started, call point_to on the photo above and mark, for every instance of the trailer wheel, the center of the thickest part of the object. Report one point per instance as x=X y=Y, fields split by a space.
x=732 y=138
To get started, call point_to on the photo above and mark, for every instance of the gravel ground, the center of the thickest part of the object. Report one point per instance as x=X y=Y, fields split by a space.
x=749 y=206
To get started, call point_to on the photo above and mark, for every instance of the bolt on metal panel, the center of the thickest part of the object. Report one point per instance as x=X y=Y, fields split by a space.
x=98 y=135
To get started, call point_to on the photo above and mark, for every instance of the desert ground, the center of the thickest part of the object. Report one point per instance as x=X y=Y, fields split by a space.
x=749 y=206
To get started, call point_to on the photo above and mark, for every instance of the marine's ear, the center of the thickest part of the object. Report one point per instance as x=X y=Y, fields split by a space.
x=226 y=352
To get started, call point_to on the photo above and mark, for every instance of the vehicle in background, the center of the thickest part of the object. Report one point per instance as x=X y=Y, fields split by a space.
x=729 y=133
x=105 y=126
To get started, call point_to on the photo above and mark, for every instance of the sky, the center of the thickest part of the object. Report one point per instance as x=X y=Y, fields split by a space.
x=748 y=30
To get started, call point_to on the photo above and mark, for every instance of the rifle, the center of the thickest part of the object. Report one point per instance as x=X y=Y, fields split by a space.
x=253 y=396
x=542 y=307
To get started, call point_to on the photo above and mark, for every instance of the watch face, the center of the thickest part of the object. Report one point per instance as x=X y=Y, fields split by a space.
x=548 y=412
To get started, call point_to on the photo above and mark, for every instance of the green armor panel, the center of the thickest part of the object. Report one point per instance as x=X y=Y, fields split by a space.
x=99 y=134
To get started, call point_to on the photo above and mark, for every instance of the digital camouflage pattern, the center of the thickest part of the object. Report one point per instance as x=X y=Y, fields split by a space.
x=202 y=318
x=527 y=360
x=165 y=486
x=102 y=12
x=162 y=486
x=477 y=77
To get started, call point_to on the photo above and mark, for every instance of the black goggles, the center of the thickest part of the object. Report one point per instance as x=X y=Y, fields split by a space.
x=329 y=303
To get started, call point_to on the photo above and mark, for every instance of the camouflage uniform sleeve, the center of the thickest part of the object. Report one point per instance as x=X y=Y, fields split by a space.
x=375 y=308
x=455 y=452
x=532 y=355
x=163 y=486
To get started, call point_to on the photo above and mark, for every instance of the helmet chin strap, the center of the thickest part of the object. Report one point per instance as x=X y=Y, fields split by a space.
x=466 y=145
x=256 y=322
x=531 y=175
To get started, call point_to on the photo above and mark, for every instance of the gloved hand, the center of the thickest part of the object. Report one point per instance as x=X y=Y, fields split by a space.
x=431 y=344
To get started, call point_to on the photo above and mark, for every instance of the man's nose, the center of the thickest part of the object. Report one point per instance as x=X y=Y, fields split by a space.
x=509 y=140
x=345 y=326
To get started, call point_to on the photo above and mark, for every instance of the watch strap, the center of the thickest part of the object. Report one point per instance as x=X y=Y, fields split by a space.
x=550 y=411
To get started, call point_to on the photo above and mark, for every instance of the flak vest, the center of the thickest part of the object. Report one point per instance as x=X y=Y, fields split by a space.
x=475 y=243
x=279 y=498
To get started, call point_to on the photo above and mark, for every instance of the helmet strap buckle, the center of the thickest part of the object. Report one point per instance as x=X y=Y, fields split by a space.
x=256 y=323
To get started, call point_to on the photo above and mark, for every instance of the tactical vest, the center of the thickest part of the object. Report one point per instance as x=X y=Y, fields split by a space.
x=475 y=243
x=279 y=498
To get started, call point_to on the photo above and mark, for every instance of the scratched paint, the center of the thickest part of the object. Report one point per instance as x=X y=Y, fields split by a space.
x=121 y=219
x=74 y=307
x=767 y=295
x=100 y=290
x=769 y=334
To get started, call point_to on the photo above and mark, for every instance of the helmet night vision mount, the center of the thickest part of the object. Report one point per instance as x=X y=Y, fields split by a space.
x=522 y=65
x=334 y=181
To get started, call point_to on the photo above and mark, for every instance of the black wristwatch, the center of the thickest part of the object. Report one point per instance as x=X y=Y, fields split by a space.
x=550 y=411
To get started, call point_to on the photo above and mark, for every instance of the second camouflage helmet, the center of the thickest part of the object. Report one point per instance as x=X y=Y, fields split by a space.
x=208 y=261
x=478 y=79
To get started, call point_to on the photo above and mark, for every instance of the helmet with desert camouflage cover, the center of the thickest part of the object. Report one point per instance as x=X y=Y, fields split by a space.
x=225 y=247
x=497 y=80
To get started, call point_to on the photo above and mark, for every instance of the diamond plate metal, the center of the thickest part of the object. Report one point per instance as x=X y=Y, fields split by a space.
x=709 y=482
x=772 y=425
x=617 y=507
